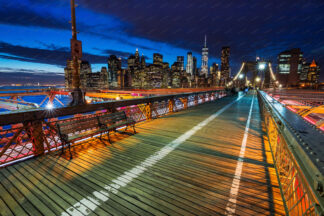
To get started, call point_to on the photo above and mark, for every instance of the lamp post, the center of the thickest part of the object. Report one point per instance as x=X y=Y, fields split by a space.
x=261 y=67
x=76 y=54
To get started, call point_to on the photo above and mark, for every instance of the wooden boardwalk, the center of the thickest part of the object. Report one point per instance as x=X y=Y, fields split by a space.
x=170 y=167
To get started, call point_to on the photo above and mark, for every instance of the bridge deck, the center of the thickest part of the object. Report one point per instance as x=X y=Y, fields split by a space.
x=170 y=167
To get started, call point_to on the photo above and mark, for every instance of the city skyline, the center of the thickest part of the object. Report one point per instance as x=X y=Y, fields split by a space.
x=39 y=41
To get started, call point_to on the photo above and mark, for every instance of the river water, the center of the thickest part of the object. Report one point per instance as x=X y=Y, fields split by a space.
x=33 y=99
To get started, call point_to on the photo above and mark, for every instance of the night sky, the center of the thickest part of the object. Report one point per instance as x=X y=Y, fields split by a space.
x=35 y=34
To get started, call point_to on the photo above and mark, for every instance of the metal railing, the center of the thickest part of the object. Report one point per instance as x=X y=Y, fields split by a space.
x=298 y=153
x=31 y=133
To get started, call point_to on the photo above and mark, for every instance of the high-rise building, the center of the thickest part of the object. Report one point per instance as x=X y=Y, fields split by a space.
x=84 y=68
x=204 y=59
x=304 y=71
x=194 y=66
x=290 y=67
x=137 y=57
x=114 y=66
x=176 y=74
x=189 y=67
x=225 y=66
x=143 y=63
x=313 y=73
x=88 y=79
x=180 y=59
x=157 y=59
x=98 y=80
x=214 y=68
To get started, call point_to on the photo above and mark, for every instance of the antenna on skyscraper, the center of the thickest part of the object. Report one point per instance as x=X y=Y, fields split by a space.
x=205 y=40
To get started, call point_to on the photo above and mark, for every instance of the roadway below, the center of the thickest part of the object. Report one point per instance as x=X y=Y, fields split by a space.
x=212 y=159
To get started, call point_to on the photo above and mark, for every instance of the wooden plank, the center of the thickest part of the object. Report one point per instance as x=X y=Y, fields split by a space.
x=28 y=207
x=68 y=197
x=54 y=202
x=110 y=168
x=40 y=204
x=194 y=179
x=4 y=208
x=84 y=183
x=150 y=183
x=144 y=208
x=198 y=182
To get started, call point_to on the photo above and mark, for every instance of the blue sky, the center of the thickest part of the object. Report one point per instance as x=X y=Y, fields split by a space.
x=35 y=34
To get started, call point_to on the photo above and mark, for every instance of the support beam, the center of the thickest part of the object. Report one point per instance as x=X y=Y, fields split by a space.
x=148 y=111
x=36 y=135
x=171 y=105
x=184 y=101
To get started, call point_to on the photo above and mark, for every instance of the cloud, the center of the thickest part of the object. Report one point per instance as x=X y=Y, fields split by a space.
x=13 y=13
x=9 y=76
x=250 y=28
x=57 y=56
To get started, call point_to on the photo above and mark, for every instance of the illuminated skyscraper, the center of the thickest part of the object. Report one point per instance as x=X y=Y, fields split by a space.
x=204 y=59
x=313 y=73
x=180 y=59
x=114 y=66
x=194 y=66
x=189 y=67
x=225 y=67
x=157 y=59
x=290 y=66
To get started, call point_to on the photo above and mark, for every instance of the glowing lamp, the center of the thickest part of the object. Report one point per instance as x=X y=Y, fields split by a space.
x=262 y=66
x=49 y=106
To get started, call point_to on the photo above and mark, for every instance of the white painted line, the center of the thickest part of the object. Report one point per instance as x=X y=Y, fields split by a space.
x=231 y=205
x=97 y=198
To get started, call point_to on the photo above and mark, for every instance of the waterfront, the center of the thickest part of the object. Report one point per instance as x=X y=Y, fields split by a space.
x=37 y=99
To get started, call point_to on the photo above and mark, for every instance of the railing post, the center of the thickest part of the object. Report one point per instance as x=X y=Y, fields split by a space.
x=203 y=98
x=196 y=100
x=184 y=102
x=171 y=105
x=213 y=94
x=148 y=111
x=36 y=134
x=209 y=96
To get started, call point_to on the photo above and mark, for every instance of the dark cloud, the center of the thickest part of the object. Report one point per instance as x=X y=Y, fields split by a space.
x=250 y=28
x=12 y=76
x=121 y=54
x=56 y=56
x=14 y=13
x=116 y=53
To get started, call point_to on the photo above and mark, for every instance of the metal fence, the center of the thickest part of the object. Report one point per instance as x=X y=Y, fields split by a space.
x=27 y=134
x=300 y=175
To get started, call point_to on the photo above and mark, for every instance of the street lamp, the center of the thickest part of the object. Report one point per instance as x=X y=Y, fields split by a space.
x=262 y=66
x=241 y=76
x=258 y=79
x=49 y=106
